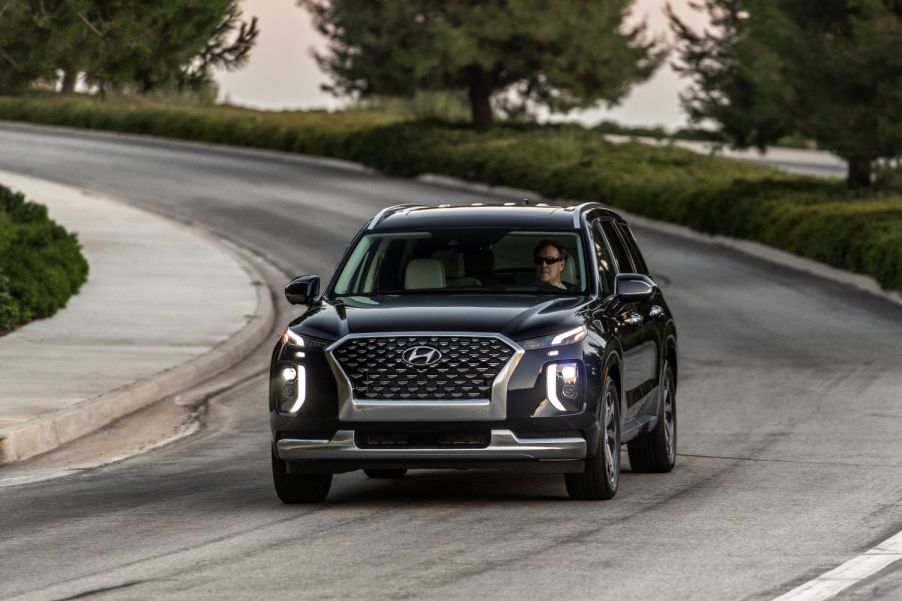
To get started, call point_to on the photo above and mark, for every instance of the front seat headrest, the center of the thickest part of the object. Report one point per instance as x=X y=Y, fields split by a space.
x=424 y=273
x=453 y=262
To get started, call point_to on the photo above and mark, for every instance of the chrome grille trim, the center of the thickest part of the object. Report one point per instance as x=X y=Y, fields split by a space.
x=492 y=408
x=463 y=367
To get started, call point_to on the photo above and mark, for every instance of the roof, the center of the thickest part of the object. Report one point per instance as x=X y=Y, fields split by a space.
x=484 y=215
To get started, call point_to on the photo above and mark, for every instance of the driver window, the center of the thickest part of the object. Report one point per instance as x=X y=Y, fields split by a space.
x=603 y=259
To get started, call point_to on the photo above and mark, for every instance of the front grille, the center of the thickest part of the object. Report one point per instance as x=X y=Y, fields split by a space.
x=466 y=369
x=423 y=440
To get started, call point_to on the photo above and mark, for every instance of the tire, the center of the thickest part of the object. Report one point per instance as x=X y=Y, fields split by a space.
x=655 y=452
x=299 y=488
x=384 y=474
x=601 y=477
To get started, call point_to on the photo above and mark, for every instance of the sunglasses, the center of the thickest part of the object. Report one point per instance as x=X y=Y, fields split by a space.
x=546 y=260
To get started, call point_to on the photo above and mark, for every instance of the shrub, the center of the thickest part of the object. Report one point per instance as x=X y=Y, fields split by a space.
x=41 y=264
x=819 y=219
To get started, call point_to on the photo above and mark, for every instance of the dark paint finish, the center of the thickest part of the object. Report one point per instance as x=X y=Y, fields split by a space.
x=628 y=335
x=302 y=290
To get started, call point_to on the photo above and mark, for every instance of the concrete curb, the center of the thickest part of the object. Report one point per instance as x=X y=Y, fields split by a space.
x=53 y=430
x=755 y=249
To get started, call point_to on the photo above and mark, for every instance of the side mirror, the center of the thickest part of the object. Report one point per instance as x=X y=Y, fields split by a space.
x=632 y=287
x=302 y=290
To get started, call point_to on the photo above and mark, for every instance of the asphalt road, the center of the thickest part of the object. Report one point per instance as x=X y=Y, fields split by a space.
x=790 y=415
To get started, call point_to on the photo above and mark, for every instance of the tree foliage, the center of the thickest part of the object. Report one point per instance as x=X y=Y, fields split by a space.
x=828 y=70
x=561 y=54
x=121 y=44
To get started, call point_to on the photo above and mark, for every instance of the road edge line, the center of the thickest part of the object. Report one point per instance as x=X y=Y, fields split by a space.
x=831 y=583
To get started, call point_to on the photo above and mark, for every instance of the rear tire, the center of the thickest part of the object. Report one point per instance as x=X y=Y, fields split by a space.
x=299 y=488
x=656 y=451
x=384 y=474
x=601 y=477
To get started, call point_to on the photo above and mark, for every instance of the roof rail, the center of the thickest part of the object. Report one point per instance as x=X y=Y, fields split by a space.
x=390 y=210
x=582 y=208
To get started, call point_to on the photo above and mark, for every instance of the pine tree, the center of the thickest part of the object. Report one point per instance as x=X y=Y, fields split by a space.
x=829 y=70
x=560 y=54
x=121 y=44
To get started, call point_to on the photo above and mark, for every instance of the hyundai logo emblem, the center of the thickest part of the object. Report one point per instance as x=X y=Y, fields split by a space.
x=421 y=356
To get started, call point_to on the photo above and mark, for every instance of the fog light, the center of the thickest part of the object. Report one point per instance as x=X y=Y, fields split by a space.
x=568 y=374
x=294 y=388
x=562 y=386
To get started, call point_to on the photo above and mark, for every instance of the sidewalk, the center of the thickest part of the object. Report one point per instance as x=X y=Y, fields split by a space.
x=164 y=307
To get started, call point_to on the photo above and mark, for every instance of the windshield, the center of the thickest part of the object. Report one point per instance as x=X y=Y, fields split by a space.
x=442 y=261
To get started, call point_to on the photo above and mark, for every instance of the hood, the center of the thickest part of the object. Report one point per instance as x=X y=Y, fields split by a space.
x=514 y=315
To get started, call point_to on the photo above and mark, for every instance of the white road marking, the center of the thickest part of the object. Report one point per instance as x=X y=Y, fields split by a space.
x=835 y=581
x=188 y=430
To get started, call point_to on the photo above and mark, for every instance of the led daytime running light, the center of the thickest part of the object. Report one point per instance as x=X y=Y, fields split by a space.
x=568 y=337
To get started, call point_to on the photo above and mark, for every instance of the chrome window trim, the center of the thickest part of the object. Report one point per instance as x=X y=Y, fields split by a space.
x=494 y=408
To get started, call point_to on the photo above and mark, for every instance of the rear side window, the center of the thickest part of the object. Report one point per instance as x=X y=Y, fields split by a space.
x=621 y=256
x=633 y=248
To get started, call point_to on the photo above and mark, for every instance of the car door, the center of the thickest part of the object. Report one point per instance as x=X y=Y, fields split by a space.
x=639 y=345
x=651 y=310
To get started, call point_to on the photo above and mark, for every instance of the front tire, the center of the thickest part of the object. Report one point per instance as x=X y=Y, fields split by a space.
x=601 y=477
x=656 y=451
x=299 y=488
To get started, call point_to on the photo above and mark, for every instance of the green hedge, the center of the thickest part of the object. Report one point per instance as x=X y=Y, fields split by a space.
x=819 y=219
x=41 y=265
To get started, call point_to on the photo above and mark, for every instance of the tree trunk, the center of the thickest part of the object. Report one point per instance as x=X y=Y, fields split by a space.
x=70 y=78
x=146 y=83
x=859 y=174
x=480 y=96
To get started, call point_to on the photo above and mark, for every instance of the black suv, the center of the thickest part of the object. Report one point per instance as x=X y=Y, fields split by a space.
x=515 y=337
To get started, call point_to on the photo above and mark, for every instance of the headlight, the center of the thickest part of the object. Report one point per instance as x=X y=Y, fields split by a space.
x=568 y=337
x=289 y=337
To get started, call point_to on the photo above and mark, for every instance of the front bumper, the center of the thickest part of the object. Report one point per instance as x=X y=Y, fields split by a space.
x=504 y=451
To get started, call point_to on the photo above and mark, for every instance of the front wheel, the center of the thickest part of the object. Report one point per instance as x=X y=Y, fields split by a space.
x=601 y=477
x=656 y=451
x=299 y=488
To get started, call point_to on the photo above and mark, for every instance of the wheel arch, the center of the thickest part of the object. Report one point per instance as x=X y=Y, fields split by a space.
x=613 y=367
x=670 y=354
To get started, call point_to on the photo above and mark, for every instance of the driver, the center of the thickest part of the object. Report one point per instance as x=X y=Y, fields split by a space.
x=550 y=258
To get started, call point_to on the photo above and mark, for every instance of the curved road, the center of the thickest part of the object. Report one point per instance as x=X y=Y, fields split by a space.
x=790 y=419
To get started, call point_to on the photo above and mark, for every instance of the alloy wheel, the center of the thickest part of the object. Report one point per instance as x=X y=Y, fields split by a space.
x=611 y=446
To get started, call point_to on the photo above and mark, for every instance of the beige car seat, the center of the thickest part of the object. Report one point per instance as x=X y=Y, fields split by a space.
x=568 y=276
x=454 y=268
x=424 y=273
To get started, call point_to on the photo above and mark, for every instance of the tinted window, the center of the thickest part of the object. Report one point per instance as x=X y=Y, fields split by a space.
x=633 y=248
x=496 y=260
x=620 y=255
x=603 y=259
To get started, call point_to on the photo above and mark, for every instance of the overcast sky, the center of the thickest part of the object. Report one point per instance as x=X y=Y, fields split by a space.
x=281 y=74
